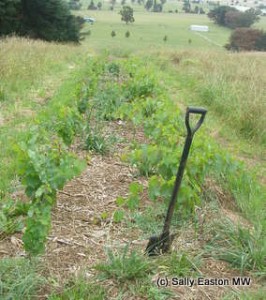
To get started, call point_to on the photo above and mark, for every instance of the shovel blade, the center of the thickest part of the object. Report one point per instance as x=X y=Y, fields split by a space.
x=158 y=245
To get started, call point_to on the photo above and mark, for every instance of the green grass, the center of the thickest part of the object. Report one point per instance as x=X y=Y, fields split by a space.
x=243 y=248
x=79 y=288
x=180 y=264
x=246 y=295
x=19 y=279
x=148 y=31
x=124 y=266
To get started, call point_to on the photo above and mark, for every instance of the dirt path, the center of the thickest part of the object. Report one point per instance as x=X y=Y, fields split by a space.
x=82 y=220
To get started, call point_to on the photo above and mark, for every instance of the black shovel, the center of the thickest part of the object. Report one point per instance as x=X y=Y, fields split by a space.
x=162 y=244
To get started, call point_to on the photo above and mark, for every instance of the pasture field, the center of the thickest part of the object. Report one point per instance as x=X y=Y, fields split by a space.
x=91 y=137
x=149 y=30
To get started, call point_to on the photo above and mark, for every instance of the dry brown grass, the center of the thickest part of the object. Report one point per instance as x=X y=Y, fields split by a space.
x=25 y=63
x=231 y=85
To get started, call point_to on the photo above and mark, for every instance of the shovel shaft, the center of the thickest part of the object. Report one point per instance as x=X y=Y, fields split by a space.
x=178 y=181
x=162 y=243
x=183 y=161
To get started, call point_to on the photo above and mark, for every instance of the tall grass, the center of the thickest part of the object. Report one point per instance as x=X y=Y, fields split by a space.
x=25 y=62
x=231 y=85
x=241 y=247
x=30 y=73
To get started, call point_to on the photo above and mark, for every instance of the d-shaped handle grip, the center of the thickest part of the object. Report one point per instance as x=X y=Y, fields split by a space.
x=195 y=110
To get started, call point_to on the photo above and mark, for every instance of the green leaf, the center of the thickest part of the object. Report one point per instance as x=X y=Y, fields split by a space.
x=118 y=216
x=135 y=188
x=120 y=201
x=133 y=202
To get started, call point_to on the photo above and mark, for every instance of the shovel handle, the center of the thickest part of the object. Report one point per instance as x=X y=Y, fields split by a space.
x=195 y=110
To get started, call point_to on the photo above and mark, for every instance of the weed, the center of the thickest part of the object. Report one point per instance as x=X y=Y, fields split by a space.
x=125 y=266
x=145 y=288
x=146 y=159
x=95 y=141
x=79 y=288
x=107 y=102
x=19 y=279
x=118 y=216
x=140 y=88
x=113 y=68
x=247 y=295
x=239 y=246
x=12 y=215
x=180 y=264
x=2 y=94
x=68 y=124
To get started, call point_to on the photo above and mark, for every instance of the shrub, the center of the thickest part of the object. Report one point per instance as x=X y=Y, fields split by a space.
x=235 y=19
x=247 y=39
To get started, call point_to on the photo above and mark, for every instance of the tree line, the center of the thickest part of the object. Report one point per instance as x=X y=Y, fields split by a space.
x=50 y=20
x=243 y=38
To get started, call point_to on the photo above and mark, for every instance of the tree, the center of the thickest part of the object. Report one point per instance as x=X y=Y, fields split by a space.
x=99 y=5
x=74 y=4
x=127 y=14
x=149 y=4
x=10 y=17
x=157 y=7
x=218 y=14
x=49 y=20
x=247 y=39
x=92 y=6
x=234 y=19
x=202 y=12
x=186 y=6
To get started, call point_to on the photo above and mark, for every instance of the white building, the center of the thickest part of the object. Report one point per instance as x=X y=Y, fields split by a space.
x=199 y=28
